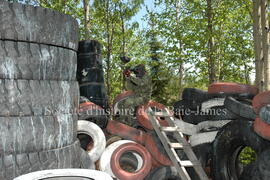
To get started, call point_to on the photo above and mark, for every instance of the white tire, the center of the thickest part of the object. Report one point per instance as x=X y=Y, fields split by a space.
x=61 y=173
x=105 y=159
x=96 y=133
x=206 y=105
x=202 y=138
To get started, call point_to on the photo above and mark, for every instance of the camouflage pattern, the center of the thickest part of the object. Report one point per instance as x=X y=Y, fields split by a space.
x=142 y=88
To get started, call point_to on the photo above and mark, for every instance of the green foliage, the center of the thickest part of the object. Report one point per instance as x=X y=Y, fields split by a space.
x=174 y=46
x=247 y=156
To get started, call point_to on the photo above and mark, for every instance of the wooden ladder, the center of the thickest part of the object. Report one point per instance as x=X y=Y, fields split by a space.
x=170 y=147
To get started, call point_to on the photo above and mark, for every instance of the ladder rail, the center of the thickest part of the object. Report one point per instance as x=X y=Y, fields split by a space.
x=193 y=161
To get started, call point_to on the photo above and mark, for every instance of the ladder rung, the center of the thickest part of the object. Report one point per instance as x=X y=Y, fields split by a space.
x=176 y=145
x=161 y=114
x=188 y=163
x=169 y=129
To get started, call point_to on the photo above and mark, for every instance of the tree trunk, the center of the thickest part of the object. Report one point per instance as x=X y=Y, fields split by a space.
x=211 y=60
x=86 y=18
x=265 y=44
x=257 y=35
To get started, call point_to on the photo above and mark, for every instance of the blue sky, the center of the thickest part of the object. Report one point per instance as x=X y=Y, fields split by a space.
x=142 y=13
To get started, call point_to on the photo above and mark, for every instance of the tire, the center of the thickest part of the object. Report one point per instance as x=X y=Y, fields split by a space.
x=261 y=100
x=229 y=142
x=14 y=165
x=180 y=108
x=36 y=133
x=142 y=116
x=228 y=87
x=33 y=97
x=265 y=114
x=98 y=138
x=37 y=25
x=93 y=113
x=30 y=61
x=141 y=172
x=218 y=113
x=262 y=128
x=66 y=174
x=120 y=97
x=86 y=162
x=105 y=159
x=215 y=102
x=240 y=108
x=194 y=97
x=163 y=173
x=202 y=138
x=261 y=170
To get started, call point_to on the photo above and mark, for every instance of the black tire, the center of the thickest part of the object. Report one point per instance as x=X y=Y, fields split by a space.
x=261 y=171
x=31 y=61
x=163 y=173
x=265 y=114
x=12 y=166
x=33 y=97
x=38 y=25
x=229 y=142
x=214 y=114
x=36 y=133
x=240 y=108
x=196 y=96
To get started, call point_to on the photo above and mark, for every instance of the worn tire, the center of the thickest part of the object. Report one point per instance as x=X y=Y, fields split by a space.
x=86 y=162
x=228 y=144
x=229 y=87
x=14 y=165
x=65 y=174
x=262 y=128
x=31 y=61
x=36 y=133
x=138 y=174
x=240 y=108
x=33 y=97
x=97 y=135
x=265 y=114
x=39 y=25
x=261 y=170
x=163 y=173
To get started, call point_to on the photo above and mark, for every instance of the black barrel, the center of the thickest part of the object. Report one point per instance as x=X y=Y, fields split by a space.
x=90 y=72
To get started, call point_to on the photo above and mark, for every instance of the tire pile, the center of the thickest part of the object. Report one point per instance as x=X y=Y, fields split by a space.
x=38 y=90
x=249 y=127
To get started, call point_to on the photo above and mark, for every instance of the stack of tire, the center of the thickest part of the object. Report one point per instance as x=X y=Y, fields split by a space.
x=38 y=90
x=91 y=79
x=197 y=105
x=236 y=135
x=222 y=103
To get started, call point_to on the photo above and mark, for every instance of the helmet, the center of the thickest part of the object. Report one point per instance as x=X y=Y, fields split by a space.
x=139 y=70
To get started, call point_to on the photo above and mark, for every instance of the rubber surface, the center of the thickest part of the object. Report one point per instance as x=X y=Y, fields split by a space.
x=35 y=24
x=97 y=135
x=12 y=166
x=265 y=114
x=229 y=87
x=36 y=133
x=261 y=170
x=125 y=175
x=86 y=162
x=31 y=61
x=260 y=100
x=34 y=97
x=142 y=116
x=66 y=173
x=262 y=128
x=163 y=173
x=230 y=139
x=240 y=108
x=105 y=159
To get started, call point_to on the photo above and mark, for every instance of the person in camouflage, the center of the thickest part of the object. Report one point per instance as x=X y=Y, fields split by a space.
x=139 y=82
